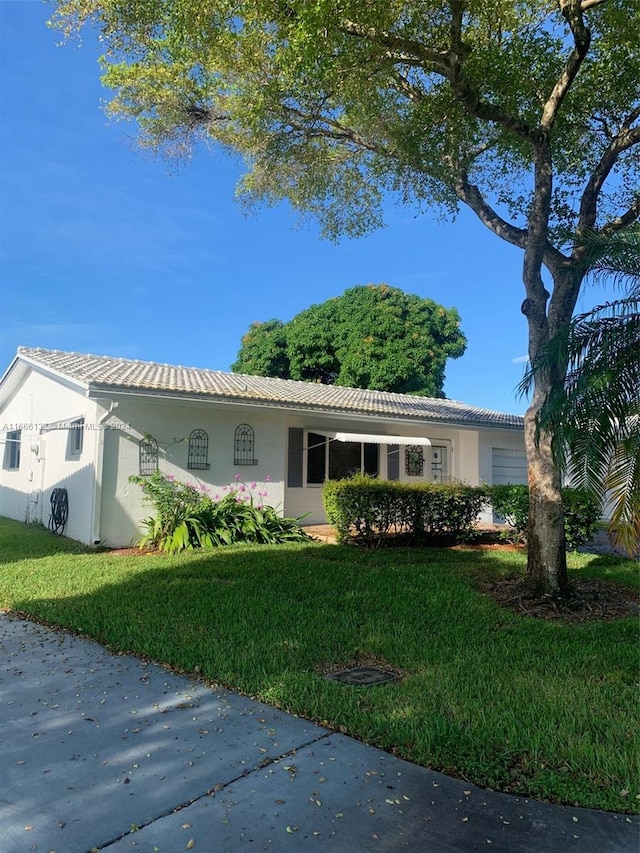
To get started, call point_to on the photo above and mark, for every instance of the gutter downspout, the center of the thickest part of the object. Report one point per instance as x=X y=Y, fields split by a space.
x=96 y=503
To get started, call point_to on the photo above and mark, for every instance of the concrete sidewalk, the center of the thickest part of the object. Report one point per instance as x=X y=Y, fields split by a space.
x=106 y=752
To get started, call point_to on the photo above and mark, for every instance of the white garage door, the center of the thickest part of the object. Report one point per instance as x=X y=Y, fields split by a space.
x=509 y=466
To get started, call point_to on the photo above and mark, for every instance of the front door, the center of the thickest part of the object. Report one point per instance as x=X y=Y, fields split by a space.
x=430 y=464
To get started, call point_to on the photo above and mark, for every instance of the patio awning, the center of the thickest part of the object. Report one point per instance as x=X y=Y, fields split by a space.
x=374 y=438
x=68 y=423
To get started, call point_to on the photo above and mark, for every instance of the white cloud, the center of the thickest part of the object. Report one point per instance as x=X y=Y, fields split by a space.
x=521 y=359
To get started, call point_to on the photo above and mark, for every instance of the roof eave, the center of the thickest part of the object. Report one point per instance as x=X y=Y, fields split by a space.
x=51 y=371
x=101 y=390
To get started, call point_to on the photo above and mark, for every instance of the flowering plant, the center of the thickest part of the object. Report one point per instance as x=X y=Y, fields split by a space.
x=187 y=517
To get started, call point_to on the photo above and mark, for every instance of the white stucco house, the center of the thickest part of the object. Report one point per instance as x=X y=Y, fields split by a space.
x=85 y=423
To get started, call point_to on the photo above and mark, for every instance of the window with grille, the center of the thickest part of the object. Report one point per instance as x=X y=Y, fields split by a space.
x=148 y=456
x=198 y=456
x=244 y=446
x=414 y=461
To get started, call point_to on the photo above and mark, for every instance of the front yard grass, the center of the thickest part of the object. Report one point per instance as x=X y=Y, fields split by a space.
x=503 y=700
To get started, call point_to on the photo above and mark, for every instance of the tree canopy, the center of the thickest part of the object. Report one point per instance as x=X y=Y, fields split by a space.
x=264 y=351
x=334 y=103
x=373 y=336
x=526 y=111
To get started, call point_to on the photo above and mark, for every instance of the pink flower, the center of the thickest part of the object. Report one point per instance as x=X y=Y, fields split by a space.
x=254 y=486
x=268 y=478
x=170 y=477
x=237 y=477
x=242 y=488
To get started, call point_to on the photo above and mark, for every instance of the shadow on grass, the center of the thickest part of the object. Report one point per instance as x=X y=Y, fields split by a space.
x=19 y=541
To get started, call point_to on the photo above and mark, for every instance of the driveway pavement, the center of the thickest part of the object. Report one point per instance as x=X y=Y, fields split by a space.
x=106 y=752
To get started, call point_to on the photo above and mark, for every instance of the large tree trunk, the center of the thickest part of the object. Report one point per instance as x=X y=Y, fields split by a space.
x=547 y=558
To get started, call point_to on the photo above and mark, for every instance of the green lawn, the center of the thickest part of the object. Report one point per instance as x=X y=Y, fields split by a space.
x=502 y=700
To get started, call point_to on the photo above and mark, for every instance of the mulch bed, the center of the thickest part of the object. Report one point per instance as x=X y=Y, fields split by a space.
x=129 y=552
x=588 y=601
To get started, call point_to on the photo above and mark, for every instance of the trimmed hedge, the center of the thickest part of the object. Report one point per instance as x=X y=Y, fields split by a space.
x=511 y=503
x=369 y=511
x=581 y=512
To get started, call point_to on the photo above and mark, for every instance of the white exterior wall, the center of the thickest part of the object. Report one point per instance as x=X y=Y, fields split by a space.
x=466 y=457
x=25 y=493
x=170 y=423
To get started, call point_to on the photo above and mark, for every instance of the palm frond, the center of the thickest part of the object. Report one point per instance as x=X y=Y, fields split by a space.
x=624 y=484
x=612 y=258
x=594 y=417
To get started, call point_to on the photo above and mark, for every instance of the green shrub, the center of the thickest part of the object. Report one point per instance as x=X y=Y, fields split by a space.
x=581 y=515
x=581 y=512
x=511 y=502
x=362 y=508
x=186 y=517
x=369 y=511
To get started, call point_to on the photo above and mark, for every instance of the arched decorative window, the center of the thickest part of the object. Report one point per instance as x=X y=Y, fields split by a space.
x=198 y=456
x=148 y=456
x=414 y=461
x=244 y=446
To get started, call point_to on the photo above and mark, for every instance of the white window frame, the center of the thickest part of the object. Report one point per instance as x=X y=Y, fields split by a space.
x=13 y=442
x=76 y=437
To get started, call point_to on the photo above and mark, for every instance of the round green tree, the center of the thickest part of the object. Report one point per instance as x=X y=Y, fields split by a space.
x=264 y=350
x=373 y=336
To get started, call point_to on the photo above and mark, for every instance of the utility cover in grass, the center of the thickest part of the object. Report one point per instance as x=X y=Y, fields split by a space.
x=363 y=676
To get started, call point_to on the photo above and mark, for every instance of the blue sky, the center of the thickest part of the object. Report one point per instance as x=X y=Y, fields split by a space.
x=104 y=249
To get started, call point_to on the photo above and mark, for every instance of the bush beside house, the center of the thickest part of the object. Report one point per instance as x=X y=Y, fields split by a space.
x=370 y=511
x=581 y=512
x=187 y=517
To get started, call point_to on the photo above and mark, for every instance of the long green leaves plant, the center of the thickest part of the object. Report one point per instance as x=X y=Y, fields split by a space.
x=187 y=517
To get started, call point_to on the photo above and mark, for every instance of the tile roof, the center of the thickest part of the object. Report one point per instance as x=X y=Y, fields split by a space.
x=105 y=373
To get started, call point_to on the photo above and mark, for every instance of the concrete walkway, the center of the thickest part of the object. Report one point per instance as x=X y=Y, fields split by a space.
x=106 y=752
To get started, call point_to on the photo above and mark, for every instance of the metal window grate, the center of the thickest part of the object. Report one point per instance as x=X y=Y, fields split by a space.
x=148 y=456
x=244 y=446
x=198 y=456
x=414 y=461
